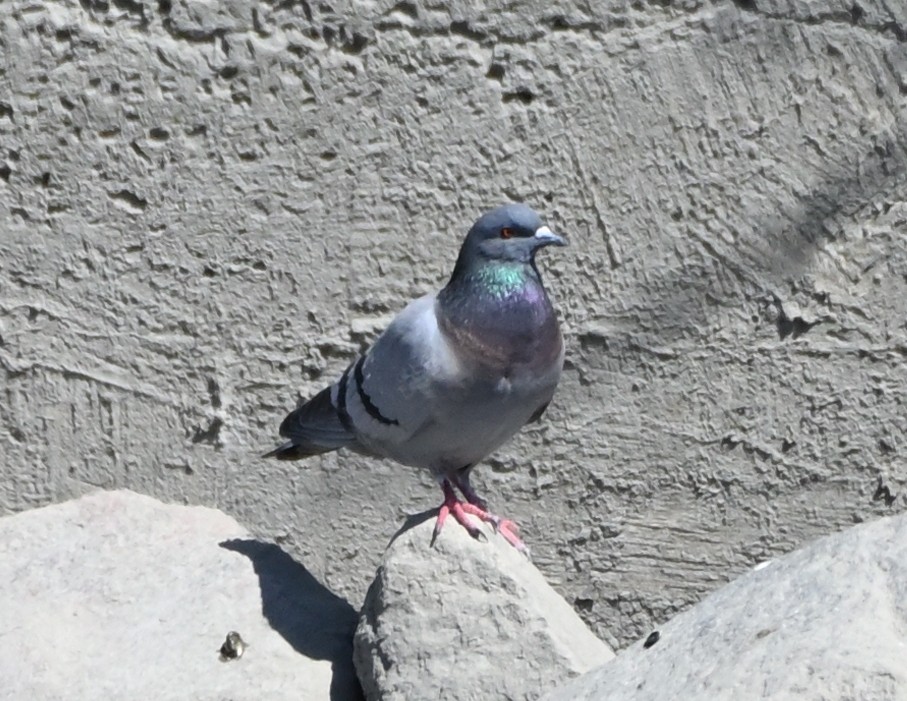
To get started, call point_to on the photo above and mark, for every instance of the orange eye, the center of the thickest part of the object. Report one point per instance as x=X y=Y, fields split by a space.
x=506 y=233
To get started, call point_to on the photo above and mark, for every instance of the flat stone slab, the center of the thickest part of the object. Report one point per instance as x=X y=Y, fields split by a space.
x=466 y=620
x=826 y=622
x=118 y=596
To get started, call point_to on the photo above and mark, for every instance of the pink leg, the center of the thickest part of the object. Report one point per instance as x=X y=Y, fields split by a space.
x=459 y=509
x=461 y=481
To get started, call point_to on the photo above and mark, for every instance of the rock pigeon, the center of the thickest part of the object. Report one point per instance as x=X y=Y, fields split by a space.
x=456 y=373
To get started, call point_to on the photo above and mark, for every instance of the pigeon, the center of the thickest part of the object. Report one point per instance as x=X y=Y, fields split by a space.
x=455 y=375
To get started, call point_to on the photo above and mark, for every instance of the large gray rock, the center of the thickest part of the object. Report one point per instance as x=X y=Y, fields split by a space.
x=466 y=621
x=206 y=207
x=117 y=596
x=827 y=622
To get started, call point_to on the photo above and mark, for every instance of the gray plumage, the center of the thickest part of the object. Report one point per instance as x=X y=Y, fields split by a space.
x=457 y=373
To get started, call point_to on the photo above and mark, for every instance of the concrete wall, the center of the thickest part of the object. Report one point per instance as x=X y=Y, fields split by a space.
x=206 y=208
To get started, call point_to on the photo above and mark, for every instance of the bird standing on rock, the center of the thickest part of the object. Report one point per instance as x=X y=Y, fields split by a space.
x=455 y=375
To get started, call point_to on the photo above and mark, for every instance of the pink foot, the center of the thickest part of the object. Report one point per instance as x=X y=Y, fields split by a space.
x=459 y=510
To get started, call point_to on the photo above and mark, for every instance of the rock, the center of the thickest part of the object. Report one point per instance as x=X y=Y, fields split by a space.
x=465 y=620
x=117 y=595
x=825 y=622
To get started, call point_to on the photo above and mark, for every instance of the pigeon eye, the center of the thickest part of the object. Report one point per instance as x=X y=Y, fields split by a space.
x=507 y=233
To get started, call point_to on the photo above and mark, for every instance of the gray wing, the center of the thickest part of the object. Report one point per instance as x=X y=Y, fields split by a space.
x=383 y=397
x=396 y=387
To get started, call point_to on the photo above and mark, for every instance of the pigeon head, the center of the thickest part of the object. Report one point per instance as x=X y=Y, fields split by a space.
x=510 y=234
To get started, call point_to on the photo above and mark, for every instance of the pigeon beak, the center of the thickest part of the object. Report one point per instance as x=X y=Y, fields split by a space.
x=546 y=237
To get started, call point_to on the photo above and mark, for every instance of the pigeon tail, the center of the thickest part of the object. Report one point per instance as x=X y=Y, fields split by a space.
x=295 y=451
x=314 y=428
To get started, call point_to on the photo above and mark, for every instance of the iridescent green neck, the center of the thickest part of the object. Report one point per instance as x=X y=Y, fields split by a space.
x=502 y=279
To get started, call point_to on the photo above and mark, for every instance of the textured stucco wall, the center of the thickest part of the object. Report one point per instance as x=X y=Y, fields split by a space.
x=205 y=208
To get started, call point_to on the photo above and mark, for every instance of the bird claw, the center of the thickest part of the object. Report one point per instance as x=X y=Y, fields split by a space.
x=434 y=535
x=503 y=524
x=461 y=512
x=443 y=513
x=508 y=530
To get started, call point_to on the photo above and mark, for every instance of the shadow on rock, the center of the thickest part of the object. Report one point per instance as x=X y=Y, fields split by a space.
x=315 y=621
x=412 y=521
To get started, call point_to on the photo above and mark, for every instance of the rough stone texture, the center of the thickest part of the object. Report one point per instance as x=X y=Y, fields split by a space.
x=827 y=622
x=118 y=596
x=464 y=621
x=206 y=207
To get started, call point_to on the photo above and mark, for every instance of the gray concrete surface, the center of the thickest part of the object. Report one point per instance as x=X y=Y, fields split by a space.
x=466 y=620
x=118 y=596
x=823 y=623
x=206 y=207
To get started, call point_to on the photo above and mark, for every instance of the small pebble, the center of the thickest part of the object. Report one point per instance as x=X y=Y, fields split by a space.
x=653 y=638
x=233 y=648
